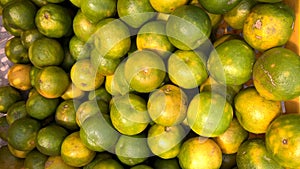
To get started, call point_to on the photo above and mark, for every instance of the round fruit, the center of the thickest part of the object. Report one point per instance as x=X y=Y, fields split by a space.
x=167 y=106
x=166 y=163
x=282 y=140
x=253 y=154
x=219 y=6
x=129 y=114
x=16 y=111
x=65 y=115
x=268 y=25
x=152 y=36
x=237 y=16
x=53 y=20
x=83 y=28
x=188 y=27
x=84 y=76
x=100 y=94
x=112 y=38
x=9 y=161
x=35 y=160
x=29 y=36
x=90 y=108
x=99 y=157
x=8 y=96
x=231 y=62
x=255 y=114
x=167 y=6
x=127 y=151
x=73 y=92
x=105 y=66
x=276 y=74
x=209 y=114
x=98 y=134
x=78 y=48
x=54 y=162
x=200 y=152
x=22 y=134
x=51 y=82
x=39 y=107
x=165 y=142
x=234 y=136
x=41 y=54
x=108 y=163
x=50 y=138
x=18 y=153
x=228 y=91
x=19 y=14
x=116 y=84
x=135 y=12
x=141 y=166
x=15 y=51
x=19 y=76
x=74 y=152
x=144 y=71
x=187 y=69
x=96 y=10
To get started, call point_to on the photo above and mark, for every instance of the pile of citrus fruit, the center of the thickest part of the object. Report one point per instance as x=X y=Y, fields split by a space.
x=149 y=84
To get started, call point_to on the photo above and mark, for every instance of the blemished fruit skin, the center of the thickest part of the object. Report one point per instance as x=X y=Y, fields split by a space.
x=282 y=140
x=268 y=25
x=253 y=153
x=276 y=74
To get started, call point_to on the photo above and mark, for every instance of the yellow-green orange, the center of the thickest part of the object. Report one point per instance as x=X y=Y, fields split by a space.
x=231 y=62
x=74 y=152
x=187 y=69
x=15 y=51
x=268 y=25
x=129 y=114
x=234 y=136
x=167 y=6
x=209 y=114
x=165 y=142
x=65 y=114
x=52 y=81
x=96 y=10
x=41 y=54
x=135 y=12
x=255 y=114
x=16 y=111
x=200 y=152
x=35 y=160
x=219 y=6
x=282 y=140
x=53 y=20
x=276 y=74
x=167 y=106
x=50 y=138
x=253 y=154
x=188 y=27
x=22 y=134
x=152 y=36
x=84 y=76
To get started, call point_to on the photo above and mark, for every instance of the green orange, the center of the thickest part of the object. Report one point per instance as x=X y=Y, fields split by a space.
x=200 y=152
x=8 y=96
x=275 y=74
x=74 y=152
x=15 y=51
x=209 y=114
x=253 y=154
x=231 y=62
x=135 y=12
x=188 y=27
x=282 y=140
x=98 y=10
x=268 y=25
x=219 y=6
x=53 y=20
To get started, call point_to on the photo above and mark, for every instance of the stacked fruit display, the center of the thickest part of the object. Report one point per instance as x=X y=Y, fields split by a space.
x=149 y=84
